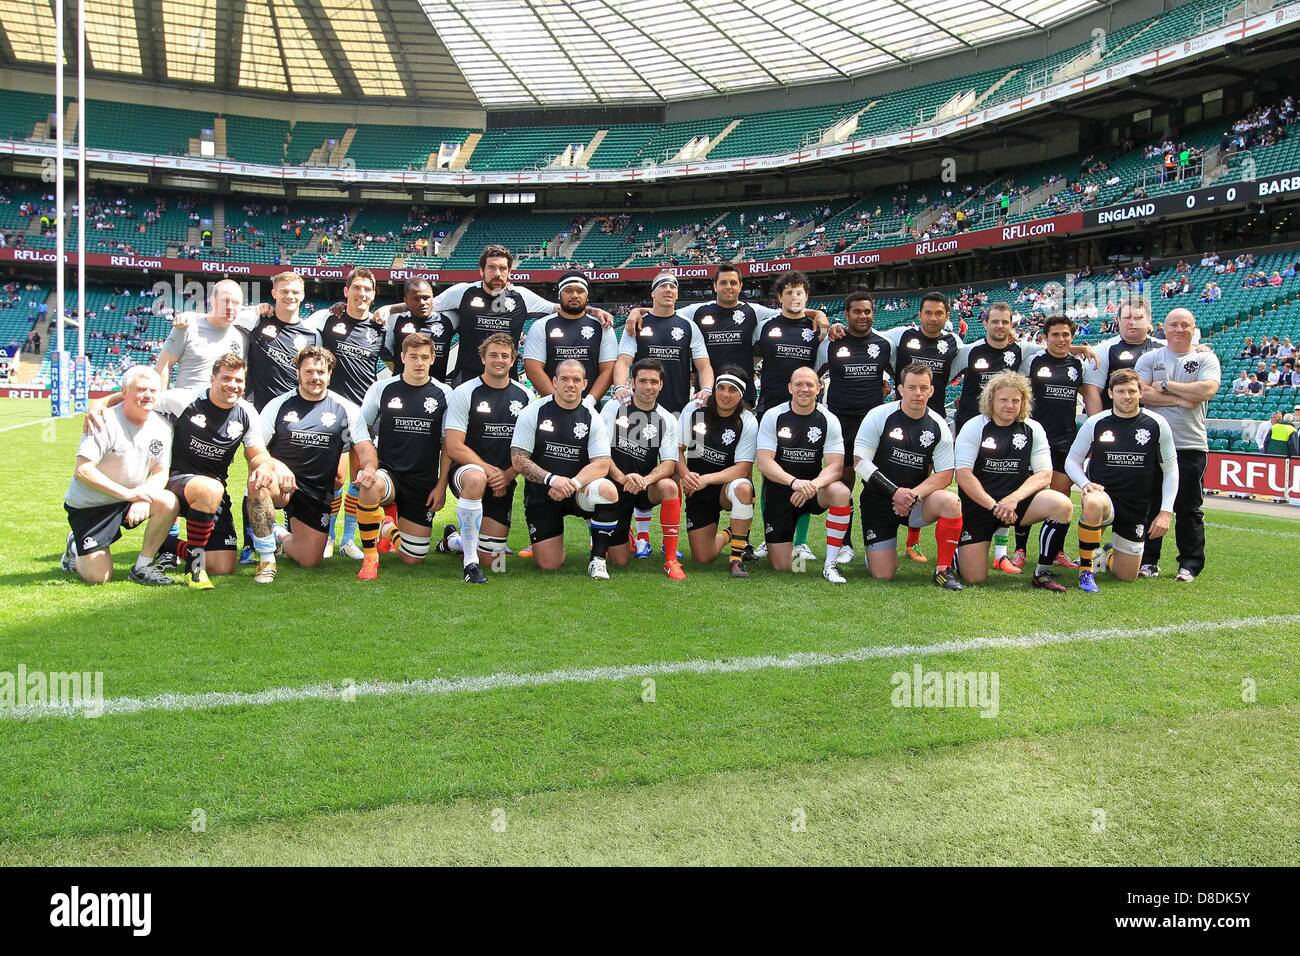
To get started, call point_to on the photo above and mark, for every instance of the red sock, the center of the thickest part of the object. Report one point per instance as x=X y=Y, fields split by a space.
x=197 y=532
x=946 y=533
x=913 y=537
x=391 y=512
x=670 y=518
x=837 y=523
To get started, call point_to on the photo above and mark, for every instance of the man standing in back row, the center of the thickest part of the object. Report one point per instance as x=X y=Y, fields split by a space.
x=1177 y=384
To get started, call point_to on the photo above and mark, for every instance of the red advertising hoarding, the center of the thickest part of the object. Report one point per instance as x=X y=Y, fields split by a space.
x=1266 y=475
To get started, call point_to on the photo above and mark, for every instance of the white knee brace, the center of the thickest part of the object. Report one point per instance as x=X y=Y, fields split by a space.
x=589 y=498
x=739 y=510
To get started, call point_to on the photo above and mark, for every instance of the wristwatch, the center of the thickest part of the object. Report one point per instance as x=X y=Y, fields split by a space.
x=1164 y=386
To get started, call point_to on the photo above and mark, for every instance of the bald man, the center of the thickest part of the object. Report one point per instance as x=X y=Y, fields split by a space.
x=1177 y=384
x=194 y=346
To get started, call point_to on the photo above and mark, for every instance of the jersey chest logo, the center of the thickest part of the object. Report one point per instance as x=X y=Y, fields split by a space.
x=844 y=352
x=340 y=329
x=728 y=436
x=926 y=439
x=484 y=408
x=587 y=332
x=1125 y=355
x=981 y=364
x=155 y=448
x=557 y=333
x=1142 y=436
x=1072 y=373
x=299 y=341
x=436 y=330
x=268 y=331
x=814 y=433
x=1107 y=436
x=291 y=416
x=1044 y=372
x=678 y=335
x=738 y=317
x=200 y=420
x=546 y=426
x=913 y=343
x=942 y=346
x=394 y=402
x=896 y=434
x=990 y=443
x=408 y=328
x=476 y=302
x=784 y=433
x=516 y=408
x=707 y=320
x=774 y=333
x=1191 y=366
x=807 y=335
x=580 y=430
x=1019 y=441
x=430 y=405
x=328 y=419
x=873 y=351
x=1009 y=358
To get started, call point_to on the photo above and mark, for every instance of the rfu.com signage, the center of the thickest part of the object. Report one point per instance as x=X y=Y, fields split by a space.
x=1265 y=475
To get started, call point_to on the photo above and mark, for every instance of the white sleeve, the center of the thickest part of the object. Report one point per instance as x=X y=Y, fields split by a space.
x=834 y=444
x=686 y=426
x=767 y=431
x=823 y=356
x=688 y=312
x=609 y=413
x=174 y=401
x=357 y=430
x=270 y=412
x=1168 y=465
x=699 y=350
x=534 y=304
x=253 y=433
x=449 y=299
x=1079 y=451
x=446 y=402
x=1210 y=370
x=943 y=455
x=608 y=346
x=627 y=344
x=667 y=436
x=1145 y=364
x=867 y=440
x=967 y=447
x=457 y=415
x=963 y=358
x=1040 y=455
x=247 y=317
x=764 y=312
x=747 y=450
x=597 y=439
x=370 y=403
x=317 y=319
x=1097 y=376
x=892 y=336
x=758 y=330
x=525 y=436
x=535 y=341
x=1029 y=351
x=176 y=339
x=94 y=446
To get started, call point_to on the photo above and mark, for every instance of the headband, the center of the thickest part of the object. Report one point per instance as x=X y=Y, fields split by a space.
x=731 y=380
x=662 y=279
x=572 y=280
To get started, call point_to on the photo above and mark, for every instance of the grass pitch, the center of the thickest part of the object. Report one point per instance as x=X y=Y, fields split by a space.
x=1137 y=742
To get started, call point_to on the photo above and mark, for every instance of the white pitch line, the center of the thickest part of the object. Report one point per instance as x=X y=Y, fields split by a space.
x=1265 y=531
x=39 y=421
x=120 y=706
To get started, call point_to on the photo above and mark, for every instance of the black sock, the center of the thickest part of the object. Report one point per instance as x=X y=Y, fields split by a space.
x=1022 y=537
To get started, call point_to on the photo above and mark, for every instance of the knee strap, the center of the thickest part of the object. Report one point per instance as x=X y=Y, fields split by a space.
x=739 y=510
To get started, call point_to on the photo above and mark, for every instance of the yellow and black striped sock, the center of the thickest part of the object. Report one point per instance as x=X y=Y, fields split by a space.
x=1089 y=541
x=393 y=535
x=738 y=545
x=368 y=520
x=336 y=504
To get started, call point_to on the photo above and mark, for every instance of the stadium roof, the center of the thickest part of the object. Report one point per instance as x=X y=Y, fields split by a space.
x=517 y=53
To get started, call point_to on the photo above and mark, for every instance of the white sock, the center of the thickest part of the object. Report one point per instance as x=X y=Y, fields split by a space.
x=643 y=521
x=469 y=514
x=454 y=542
x=142 y=562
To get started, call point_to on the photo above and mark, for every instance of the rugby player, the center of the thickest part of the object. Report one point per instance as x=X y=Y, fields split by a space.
x=857 y=366
x=1178 y=381
x=416 y=314
x=121 y=479
x=643 y=463
x=801 y=458
x=356 y=339
x=571 y=332
x=306 y=431
x=904 y=455
x=1055 y=377
x=192 y=347
x=208 y=428
x=1114 y=461
x=1004 y=467
x=928 y=342
x=561 y=448
x=717 y=442
x=405 y=415
x=1118 y=352
x=492 y=305
x=480 y=425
